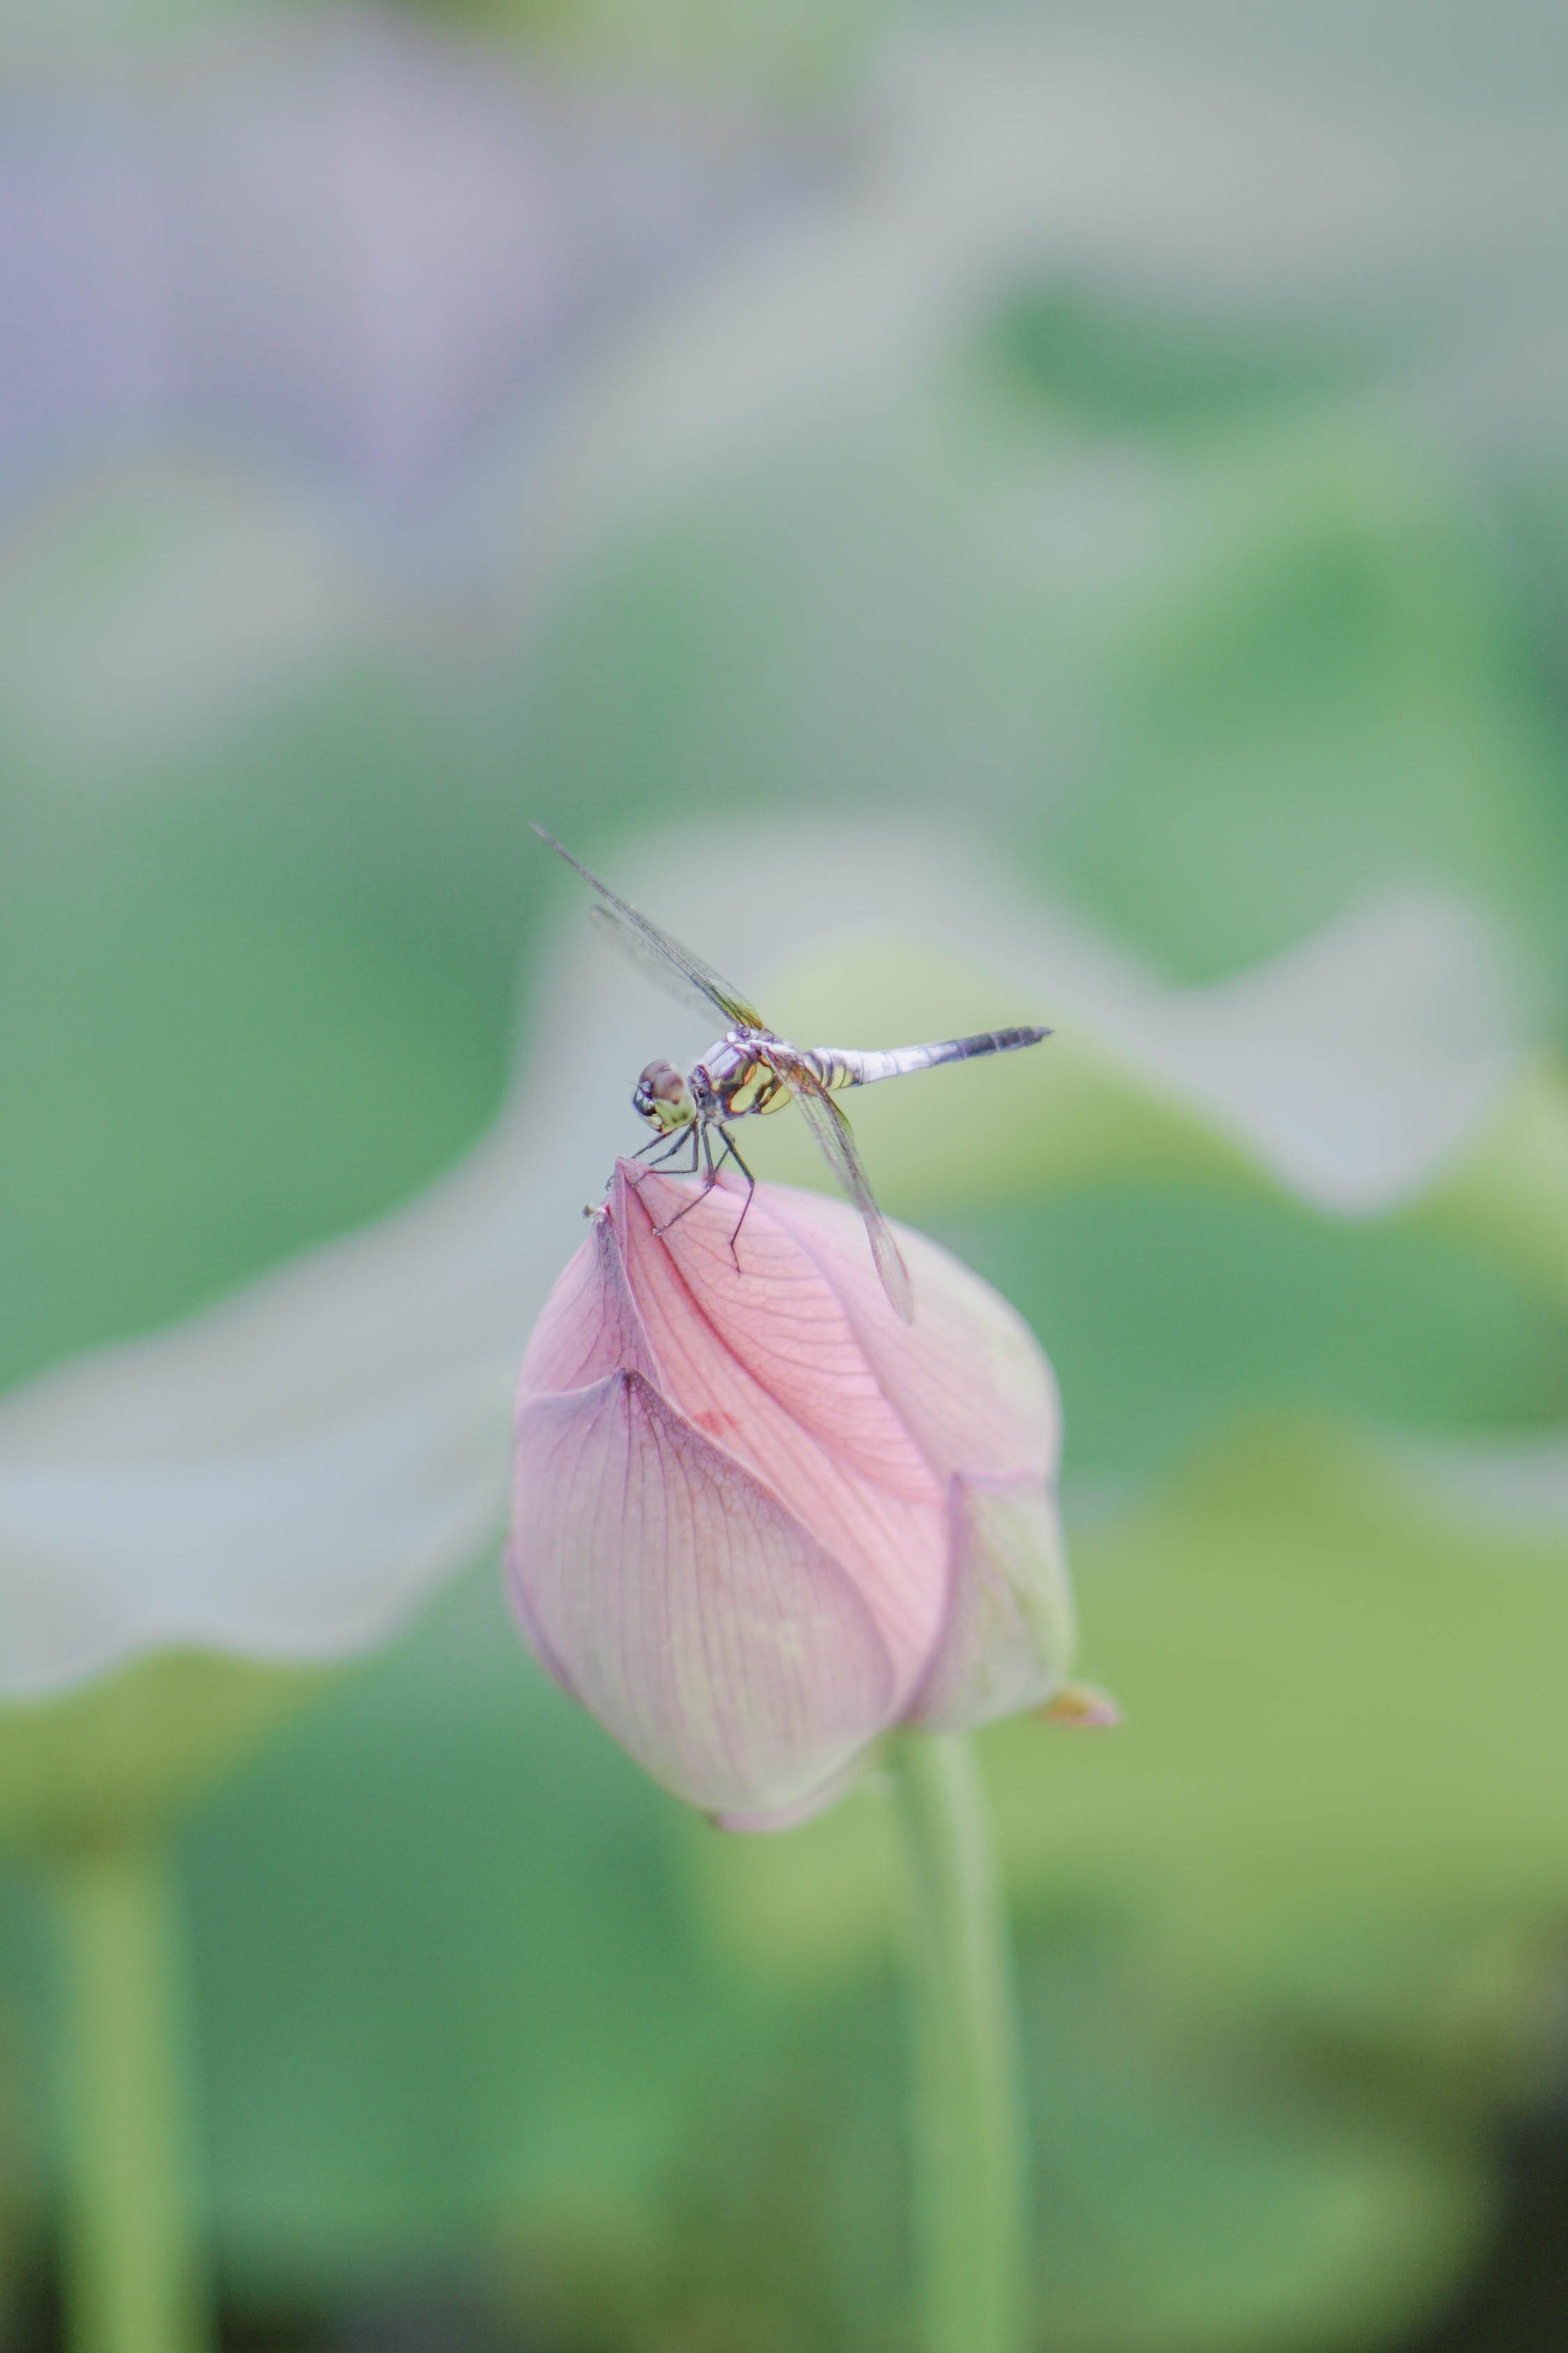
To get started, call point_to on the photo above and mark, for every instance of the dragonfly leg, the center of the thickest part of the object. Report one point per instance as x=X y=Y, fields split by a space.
x=731 y=1154
x=710 y=1180
x=671 y=1144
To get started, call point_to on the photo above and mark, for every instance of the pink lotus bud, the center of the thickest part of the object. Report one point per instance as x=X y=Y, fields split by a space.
x=759 y=1519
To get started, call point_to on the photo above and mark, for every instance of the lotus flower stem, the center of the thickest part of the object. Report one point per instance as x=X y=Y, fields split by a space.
x=133 y=2275
x=968 y=2140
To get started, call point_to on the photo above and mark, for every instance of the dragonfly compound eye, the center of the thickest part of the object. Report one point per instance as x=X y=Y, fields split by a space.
x=663 y=1098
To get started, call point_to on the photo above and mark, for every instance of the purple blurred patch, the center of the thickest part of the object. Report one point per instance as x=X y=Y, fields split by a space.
x=347 y=241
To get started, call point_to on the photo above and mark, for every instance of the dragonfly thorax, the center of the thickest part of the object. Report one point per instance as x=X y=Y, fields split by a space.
x=733 y=1079
x=664 y=1099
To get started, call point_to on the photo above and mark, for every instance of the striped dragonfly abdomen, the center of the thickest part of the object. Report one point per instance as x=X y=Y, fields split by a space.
x=847 y=1066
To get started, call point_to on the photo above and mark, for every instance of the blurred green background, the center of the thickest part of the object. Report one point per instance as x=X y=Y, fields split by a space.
x=1133 y=450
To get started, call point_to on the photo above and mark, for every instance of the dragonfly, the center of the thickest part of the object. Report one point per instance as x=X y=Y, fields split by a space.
x=751 y=1071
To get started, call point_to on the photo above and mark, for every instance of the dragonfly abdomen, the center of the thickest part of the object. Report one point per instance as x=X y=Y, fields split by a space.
x=844 y=1066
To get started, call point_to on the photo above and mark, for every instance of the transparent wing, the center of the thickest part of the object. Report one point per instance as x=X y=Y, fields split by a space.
x=650 y=961
x=659 y=954
x=835 y=1139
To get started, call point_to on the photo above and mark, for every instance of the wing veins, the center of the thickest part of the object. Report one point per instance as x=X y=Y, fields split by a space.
x=835 y=1138
x=653 y=947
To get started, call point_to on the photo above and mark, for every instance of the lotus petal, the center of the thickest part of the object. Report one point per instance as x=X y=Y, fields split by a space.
x=1008 y=1638
x=696 y=1617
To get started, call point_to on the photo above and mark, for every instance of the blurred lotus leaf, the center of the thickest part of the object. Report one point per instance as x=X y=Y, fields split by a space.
x=1193 y=2186
x=1505 y=1193
x=1317 y=691
x=282 y=1478
x=444 y=1961
x=123 y=1754
x=1109 y=361
x=1204 y=2183
x=1344 y=1072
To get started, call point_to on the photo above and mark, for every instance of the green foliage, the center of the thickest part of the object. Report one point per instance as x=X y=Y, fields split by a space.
x=1152 y=1299
x=125 y=1754
x=1330 y=696
x=442 y=1958
x=1118 y=365
x=1505 y=1194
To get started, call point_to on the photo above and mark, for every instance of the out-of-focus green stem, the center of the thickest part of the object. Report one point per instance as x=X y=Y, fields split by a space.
x=969 y=2150
x=134 y=2281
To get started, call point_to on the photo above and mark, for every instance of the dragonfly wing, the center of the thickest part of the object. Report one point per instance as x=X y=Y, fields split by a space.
x=650 y=961
x=835 y=1139
x=654 y=950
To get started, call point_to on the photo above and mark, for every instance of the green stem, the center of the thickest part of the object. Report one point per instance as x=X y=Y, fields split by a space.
x=133 y=2275
x=968 y=2138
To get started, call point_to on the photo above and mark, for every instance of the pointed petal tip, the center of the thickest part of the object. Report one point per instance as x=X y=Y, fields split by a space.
x=1081 y=1707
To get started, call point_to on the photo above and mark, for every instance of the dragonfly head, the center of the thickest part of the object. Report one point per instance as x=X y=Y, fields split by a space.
x=662 y=1097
